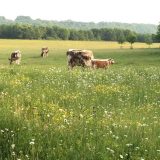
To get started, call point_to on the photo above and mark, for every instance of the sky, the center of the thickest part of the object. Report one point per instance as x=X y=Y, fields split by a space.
x=125 y=11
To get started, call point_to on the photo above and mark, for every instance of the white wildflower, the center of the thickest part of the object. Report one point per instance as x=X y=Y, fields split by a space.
x=13 y=146
x=121 y=156
x=2 y=131
x=129 y=144
x=81 y=115
x=31 y=143
x=13 y=154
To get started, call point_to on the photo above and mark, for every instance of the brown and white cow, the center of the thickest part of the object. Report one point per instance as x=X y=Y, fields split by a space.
x=44 y=52
x=15 y=57
x=77 y=57
x=102 y=63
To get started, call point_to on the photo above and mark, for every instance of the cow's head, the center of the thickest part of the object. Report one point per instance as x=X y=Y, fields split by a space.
x=111 y=61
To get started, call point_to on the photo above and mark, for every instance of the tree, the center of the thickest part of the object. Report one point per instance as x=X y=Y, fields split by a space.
x=158 y=33
x=96 y=34
x=107 y=34
x=131 y=38
x=63 y=33
x=148 y=40
x=73 y=35
x=121 y=38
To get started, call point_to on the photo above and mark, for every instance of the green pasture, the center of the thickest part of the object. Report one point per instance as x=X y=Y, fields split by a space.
x=30 y=49
x=48 y=112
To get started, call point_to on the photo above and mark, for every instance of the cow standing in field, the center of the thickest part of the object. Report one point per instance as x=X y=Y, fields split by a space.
x=78 y=57
x=44 y=52
x=15 y=57
x=102 y=63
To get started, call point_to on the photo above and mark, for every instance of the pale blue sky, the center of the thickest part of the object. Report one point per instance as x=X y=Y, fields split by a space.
x=129 y=11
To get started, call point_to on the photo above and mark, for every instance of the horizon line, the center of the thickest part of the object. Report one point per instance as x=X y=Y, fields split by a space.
x=79 y=20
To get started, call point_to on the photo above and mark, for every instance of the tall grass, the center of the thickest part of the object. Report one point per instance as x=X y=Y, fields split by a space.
x=48 y=112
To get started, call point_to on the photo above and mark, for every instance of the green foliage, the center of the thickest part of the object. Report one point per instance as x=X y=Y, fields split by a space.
x=148 y=40
x=121 y=38
x=131 y=38
x=29 y=31
x=139 y=28
x=158 y=33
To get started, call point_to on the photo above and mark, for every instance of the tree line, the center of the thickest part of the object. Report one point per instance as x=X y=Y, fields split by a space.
x=158 y=33
x=21 y=31
x=138 y=28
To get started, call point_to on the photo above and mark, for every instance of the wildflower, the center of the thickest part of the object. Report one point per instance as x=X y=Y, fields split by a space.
x=13 y=154
x=125 y=126
x=121 y=156
x=137 y=148
x=81 y=115
x=6 y=129
x=111 y=150
x=61 y=110
x=2 y=131
x=32 y=143
x=13 y=146
x=129 y=144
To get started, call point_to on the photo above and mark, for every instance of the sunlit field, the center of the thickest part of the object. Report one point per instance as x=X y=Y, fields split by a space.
x=48 y=112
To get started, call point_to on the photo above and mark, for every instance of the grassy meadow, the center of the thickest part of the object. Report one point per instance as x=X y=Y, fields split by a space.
x=50 y=113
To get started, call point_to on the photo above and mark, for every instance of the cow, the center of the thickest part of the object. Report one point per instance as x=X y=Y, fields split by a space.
x=77 y=57
x=102 y=63
x=44 y=52
x=15 y=57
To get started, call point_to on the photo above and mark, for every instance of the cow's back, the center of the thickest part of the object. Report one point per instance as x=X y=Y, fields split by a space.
x=79 y=57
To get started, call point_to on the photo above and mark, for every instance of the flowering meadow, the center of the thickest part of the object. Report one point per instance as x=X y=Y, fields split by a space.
x=48 y=112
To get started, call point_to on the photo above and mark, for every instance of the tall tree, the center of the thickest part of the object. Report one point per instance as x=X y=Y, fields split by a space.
x=148 y=40
x=121 y=39
x=131 y=38
x=158 y=33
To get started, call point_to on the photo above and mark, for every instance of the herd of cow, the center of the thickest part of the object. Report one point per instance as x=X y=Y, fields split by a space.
x=76 y=57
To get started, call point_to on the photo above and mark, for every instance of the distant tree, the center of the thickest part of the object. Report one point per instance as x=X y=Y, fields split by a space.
x=154 y=38
x=90 y=35
x=121 y=39
x=107 y=34
x=24 y=20
x=96 y=34
x=131 y=38
x=158 y=33
x=148 y=40
x=63 y=33
x=141 y=37
x=74 y=35
x=51 y=33
x=82 y=35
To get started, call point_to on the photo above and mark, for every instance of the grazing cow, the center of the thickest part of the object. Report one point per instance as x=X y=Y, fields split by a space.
x=15 y=57
x=78 y=57
x=102 y=63
x=44 y=52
